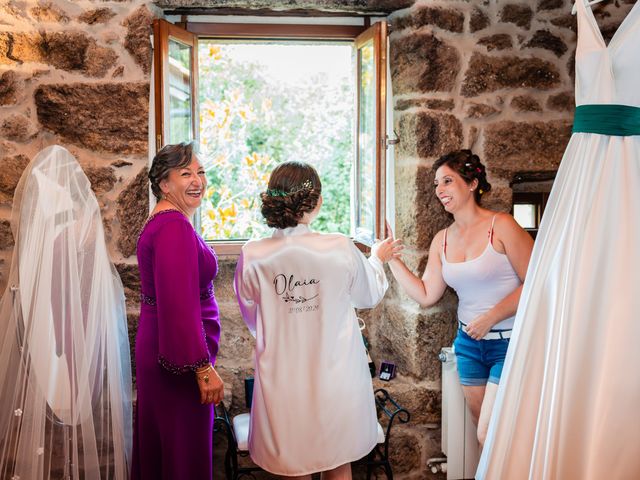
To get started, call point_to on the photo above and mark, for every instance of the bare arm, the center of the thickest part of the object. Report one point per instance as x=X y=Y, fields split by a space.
x=428 y=289
x=517 y=245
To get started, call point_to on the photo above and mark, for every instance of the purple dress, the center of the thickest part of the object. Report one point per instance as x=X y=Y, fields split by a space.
x=178 y=331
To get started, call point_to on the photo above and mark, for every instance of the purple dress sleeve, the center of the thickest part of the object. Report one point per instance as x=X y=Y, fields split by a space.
x=182 y=345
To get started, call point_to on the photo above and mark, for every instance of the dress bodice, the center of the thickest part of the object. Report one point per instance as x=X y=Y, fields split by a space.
x=608 y=74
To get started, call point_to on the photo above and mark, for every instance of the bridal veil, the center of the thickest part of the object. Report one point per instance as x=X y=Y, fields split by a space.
x=65 y=374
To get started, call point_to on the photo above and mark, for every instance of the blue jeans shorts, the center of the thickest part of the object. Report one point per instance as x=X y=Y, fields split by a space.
x=479 y=361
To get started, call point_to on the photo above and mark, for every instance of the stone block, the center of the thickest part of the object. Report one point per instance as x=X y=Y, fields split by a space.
x=525 y=103
x=11 y=169
x=499 y=41
x=102 y=117
x=571 y=66
x=6 y=235
x=99 y=60
x=562 y=102
x=421 y=62
x=17 y=127
x=22 y=47
x=448 y=19
x=547 y=40
x=488 y=74
x=97 y=15
x=499 y=199
x=428 y=134
x=47 y=12
x=480 y=110
x=412 y=338
x=550 y=4
x=429 y=103
x=10 y=84
x=517 y=13
x=479 y=20
x=132 y=212
x=139 y=26
x=521 y=146
x=405 y=450
x=224 y=280
x=102 y=179
x=76 y=51
x=133 y=319
x=130 y=277
x=421 y=400
x=567 y=21
x=236 y=343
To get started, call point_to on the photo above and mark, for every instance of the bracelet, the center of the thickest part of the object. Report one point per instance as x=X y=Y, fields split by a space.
x=204 y=369
x=203 y=374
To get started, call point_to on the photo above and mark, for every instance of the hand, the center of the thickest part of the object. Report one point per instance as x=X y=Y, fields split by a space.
x=479 y=327
x=387 y=249
x=210 y=385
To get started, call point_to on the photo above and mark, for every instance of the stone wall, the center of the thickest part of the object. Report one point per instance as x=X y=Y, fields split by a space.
x=495 y=76
x=77 y=74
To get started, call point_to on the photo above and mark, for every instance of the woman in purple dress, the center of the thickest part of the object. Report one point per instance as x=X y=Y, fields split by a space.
x=179 y=329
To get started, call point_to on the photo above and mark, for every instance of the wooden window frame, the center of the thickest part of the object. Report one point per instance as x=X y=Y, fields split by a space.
x=186 y=31
x=538 y=199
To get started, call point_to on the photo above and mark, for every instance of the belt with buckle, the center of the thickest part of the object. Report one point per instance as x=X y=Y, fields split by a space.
x=493 y=334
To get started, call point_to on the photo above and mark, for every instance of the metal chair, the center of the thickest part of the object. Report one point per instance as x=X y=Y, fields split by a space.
x=237 y=434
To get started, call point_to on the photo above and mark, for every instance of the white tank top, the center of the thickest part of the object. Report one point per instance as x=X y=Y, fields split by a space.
x=481 y=282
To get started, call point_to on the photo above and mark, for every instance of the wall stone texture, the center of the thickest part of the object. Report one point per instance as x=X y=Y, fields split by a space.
x=495 y=76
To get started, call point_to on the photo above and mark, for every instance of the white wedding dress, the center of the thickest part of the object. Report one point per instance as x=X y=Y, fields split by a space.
x=65 y=373
x=567 y=405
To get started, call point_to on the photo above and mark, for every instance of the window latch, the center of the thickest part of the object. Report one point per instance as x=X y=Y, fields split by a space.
x=392 y=141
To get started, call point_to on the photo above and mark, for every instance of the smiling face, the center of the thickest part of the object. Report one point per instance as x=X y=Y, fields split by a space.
x=184 y=187
x=452 y=190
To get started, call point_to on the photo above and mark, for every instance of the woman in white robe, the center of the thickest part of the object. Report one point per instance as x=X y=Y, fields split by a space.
x=313 y=408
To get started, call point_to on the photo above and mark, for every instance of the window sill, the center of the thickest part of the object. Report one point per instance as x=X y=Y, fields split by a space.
x=233 y=248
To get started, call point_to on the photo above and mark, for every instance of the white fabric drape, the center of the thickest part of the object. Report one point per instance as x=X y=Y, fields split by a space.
x=65 y=375
x=567 y=403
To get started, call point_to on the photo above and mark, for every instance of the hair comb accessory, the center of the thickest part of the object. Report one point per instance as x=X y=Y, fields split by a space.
x=276 y=193
x=306 y=185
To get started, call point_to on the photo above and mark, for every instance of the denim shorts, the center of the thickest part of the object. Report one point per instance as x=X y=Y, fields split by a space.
x=479 y=361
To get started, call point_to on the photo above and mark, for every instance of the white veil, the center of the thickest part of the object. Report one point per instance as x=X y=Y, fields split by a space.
x=65 y=372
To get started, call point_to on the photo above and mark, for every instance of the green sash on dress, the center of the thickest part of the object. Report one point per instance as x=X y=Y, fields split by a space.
x=616 y=120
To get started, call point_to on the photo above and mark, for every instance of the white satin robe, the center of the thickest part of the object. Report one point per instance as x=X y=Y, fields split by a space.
x=313 y=407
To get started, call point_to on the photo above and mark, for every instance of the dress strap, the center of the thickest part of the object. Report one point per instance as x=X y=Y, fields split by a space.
x=493 y=221
x=444 y=243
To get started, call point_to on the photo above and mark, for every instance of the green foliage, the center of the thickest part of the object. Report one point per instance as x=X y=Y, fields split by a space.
x=249 y=124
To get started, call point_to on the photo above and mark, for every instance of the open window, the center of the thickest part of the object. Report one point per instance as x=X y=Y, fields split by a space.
x=212 y=86
x=176 y=67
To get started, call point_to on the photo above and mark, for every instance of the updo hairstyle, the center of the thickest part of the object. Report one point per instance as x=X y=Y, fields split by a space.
x=168 y=158
x=469 y=167
x=294 y=189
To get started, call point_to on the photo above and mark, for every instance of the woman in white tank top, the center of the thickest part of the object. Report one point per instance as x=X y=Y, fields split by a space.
x=483 y=255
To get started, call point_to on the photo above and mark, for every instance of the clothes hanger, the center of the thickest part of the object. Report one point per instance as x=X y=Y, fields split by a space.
x=587 y=3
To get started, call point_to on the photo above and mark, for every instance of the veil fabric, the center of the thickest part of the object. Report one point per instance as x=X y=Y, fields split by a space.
x=65 y=370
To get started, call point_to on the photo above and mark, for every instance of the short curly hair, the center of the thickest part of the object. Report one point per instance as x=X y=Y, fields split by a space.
x=294 y=189
x=468 y=166
x=168 y=158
